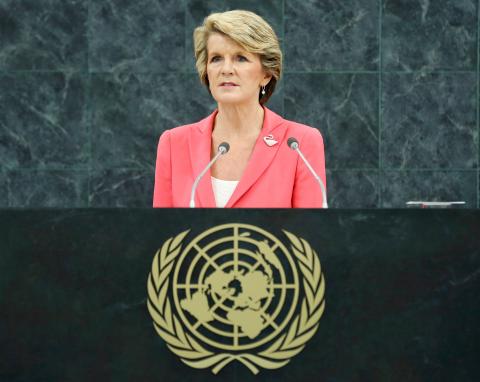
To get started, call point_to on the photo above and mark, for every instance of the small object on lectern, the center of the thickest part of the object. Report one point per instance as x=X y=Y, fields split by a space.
x=425 y=204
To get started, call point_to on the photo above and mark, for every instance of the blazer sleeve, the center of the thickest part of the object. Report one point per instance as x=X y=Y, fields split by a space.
x=306 y=190
x=162 y=193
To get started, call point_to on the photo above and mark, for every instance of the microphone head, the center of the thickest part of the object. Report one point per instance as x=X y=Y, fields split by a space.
x=292 y=143
x=223 y=147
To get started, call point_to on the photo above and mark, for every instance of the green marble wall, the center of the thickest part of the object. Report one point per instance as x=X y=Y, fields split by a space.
x=87 y=87
x=401 y=294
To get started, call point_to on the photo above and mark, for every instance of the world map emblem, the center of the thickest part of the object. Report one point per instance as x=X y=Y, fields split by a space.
x=237 y=293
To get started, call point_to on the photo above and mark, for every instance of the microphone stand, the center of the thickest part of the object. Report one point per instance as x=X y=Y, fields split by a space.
x=222 y=149
x=293 y=144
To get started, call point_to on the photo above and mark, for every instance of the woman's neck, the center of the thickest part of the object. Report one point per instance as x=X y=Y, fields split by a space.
x=239 y=121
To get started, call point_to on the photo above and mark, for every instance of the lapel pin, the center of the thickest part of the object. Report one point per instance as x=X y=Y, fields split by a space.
x=269 y=140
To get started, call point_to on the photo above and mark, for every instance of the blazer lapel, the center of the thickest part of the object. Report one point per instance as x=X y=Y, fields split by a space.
x=200 y=146
x=262 y=154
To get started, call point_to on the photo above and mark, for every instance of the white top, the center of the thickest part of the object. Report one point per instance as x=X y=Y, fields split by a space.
x=223 y=190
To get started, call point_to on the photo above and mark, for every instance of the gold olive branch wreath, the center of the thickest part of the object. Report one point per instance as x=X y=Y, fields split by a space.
x=277 y=354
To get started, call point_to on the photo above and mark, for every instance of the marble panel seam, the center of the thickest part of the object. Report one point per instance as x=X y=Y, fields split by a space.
x=426 y=169
x=287 y=71
x=191 y=71
x=380 y=98
x=429 y=71
x=185 y=37
x=353 y=169
x=89 y=135
x=40 y=71
x=478 y=189
x=477 y=103
x=88 y=35
x=76 y=169
x=81 y=167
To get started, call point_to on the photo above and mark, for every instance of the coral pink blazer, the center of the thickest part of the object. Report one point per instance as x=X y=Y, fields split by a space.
x=275 y=176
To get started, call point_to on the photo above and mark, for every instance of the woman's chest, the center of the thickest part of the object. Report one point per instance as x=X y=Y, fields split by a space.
x=232 y=165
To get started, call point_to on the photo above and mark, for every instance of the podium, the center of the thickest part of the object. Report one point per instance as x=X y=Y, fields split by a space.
x=401 y=294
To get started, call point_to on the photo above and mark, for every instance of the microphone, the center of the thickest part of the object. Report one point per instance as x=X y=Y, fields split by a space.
x=222 y=149
x=293 y=144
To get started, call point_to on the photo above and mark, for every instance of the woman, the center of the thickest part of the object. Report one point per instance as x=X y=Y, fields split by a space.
x=238 y=58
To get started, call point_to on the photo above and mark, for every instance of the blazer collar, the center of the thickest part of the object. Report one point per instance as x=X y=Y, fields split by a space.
x=262 y=156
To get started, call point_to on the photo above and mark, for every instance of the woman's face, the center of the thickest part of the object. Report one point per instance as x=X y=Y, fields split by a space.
x=235 y=75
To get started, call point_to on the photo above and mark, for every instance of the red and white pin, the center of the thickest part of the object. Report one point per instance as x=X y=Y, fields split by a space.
x=270 y=140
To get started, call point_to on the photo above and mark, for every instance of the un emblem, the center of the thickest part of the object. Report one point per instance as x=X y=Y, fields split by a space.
x=236 y=292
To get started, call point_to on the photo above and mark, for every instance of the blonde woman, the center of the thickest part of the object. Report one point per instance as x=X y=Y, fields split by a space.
x=238 y=58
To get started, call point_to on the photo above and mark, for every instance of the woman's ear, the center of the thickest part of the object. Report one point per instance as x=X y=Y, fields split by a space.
x=266 y=79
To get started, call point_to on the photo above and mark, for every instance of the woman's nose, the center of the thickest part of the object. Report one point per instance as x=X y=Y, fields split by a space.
x=227 y=66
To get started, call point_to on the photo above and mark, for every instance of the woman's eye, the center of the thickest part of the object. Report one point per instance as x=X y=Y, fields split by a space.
x=215 y=59
x=242 y=58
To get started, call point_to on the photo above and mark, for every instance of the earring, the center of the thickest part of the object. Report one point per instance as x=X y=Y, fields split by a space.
x=263 y=90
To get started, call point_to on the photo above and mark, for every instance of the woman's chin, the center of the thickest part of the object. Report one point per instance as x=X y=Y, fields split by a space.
x=231 y=100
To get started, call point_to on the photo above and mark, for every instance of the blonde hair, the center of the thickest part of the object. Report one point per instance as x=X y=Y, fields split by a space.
x=248 y=30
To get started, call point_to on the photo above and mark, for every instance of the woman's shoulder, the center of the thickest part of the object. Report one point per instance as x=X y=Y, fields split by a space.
x=180 y=138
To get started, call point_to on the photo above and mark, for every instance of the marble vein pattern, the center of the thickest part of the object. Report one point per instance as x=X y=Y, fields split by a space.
x=429 y=121
x=429 y=35
x=43 y=120
x=47 y=188
x=275 y=102
x=352 y=189
x=4 y=189
x=130 y=112
x=344 y=107
x=399 y=187
x=120 y=188
x=43 y=35
x=141 y=36
x=331 y=35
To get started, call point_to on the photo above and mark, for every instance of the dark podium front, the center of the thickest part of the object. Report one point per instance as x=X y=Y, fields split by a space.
x=401 y=297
